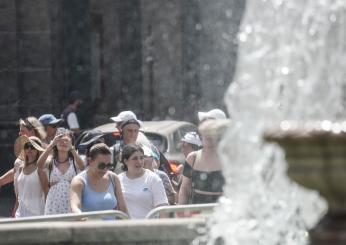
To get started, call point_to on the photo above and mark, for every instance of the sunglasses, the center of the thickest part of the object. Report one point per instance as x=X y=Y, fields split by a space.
x=103 y=166
x=29 y=146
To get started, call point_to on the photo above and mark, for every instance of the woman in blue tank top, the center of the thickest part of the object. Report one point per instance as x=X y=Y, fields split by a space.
x=97 y=188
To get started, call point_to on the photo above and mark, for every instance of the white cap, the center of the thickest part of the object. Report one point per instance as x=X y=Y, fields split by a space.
x=212 y=114
x=126 y=116
x=192 y=138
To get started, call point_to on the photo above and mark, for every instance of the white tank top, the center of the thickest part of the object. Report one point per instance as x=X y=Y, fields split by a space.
x=30 y=195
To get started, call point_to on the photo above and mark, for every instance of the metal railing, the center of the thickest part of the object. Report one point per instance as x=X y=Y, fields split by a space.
x=182 y=211
x=96 y=215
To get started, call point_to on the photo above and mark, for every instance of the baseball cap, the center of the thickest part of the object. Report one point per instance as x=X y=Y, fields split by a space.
x=192 y=138
x=126 y=117
x=151 y=151
x=212 y=114
x=49 y=119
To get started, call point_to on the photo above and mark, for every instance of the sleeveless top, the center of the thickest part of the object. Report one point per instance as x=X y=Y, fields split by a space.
x=30 y=195
x=58 y=198
x=94 y=200
x=210 y=181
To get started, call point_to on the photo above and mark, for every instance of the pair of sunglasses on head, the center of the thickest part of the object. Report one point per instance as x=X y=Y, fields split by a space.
x=103 y=166
x=29 y=146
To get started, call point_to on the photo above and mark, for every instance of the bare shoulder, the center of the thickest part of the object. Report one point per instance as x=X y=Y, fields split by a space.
x=114 y=176
x=190 y=159
x=77 y=182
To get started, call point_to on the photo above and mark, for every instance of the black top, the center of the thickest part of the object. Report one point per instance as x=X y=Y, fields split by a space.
x=212 y=181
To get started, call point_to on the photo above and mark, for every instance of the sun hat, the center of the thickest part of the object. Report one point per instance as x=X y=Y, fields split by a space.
x=214 y=128
x=192 y=138
x=212 y=114
x=21 y=141
x=49 y=119
x=35 y=124
x=126 y=117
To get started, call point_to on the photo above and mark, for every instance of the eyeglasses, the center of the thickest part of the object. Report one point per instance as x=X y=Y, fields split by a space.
x=103 y=166
x=29 y=146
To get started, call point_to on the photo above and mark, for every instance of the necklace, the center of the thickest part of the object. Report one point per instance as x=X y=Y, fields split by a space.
x=28 y=163
x=57 y=160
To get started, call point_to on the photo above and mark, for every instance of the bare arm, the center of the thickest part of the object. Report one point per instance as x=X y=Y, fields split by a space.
x=7 y=178
x=78 y=159
x=119 y=194
x=76 y=195
x=42 y=175
x=184 y=191
x=186 y=183
x=43 y=158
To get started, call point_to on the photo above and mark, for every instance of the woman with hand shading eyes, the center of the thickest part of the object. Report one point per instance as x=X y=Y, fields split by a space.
x=30 y=194
x=59 y=169
x=97 y=188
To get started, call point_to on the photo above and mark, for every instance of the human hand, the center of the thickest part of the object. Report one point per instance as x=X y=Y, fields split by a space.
x=55 y=141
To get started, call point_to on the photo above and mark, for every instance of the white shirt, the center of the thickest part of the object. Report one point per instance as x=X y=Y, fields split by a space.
x=30 y=195
x=72 y=121
x=142 y=194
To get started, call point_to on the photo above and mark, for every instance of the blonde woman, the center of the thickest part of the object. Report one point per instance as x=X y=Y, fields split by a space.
x=30 y=194
x=202 y=180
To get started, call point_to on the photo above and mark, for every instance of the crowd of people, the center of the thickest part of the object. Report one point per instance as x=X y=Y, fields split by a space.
x=51 y=177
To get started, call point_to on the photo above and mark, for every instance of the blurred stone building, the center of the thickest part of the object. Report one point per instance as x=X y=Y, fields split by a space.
x=161 y=59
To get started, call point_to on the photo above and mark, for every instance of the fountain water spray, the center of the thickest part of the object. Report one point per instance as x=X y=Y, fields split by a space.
x=290 y=67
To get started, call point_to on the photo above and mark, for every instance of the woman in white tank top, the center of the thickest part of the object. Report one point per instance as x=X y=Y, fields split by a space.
x=30 y=193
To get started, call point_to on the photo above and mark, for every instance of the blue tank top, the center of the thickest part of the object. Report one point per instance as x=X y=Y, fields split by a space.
x=97 y=201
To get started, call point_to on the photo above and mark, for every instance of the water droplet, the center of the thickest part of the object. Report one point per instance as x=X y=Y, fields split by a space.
x=326 y=125
x=285 y=70
x=228 y=13
x=242 y=37
x=171 y=110
x=332 y=18
x=198 y=27
x=248 y=29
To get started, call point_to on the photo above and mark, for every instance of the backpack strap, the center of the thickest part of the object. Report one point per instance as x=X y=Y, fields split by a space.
x=74 y=165
x=116 y=153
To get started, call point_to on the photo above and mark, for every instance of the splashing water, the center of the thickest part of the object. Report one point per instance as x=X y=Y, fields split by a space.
x=290 y=66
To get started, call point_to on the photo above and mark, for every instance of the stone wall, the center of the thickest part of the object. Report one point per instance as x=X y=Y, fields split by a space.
x=150 y=232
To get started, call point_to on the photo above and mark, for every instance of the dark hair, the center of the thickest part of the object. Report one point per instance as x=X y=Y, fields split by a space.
x=194 y=147
x=99 y=149
x=128 y=151
x=74 y=96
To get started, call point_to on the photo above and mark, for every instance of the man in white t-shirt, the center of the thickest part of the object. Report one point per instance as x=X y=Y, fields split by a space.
x=69 y=113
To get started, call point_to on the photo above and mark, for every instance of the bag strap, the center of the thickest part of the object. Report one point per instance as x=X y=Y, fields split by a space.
x=50 y=168
x=192 y=181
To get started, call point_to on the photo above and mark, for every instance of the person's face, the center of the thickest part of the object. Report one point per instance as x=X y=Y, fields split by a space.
x=135 y=162
x=148 y=162
x=25 y=131
x=101 y=164
x=130 y=133
x=208 y=141
x=30 y=151
x=64 y=143
x=185 y=148
x=51 y=130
